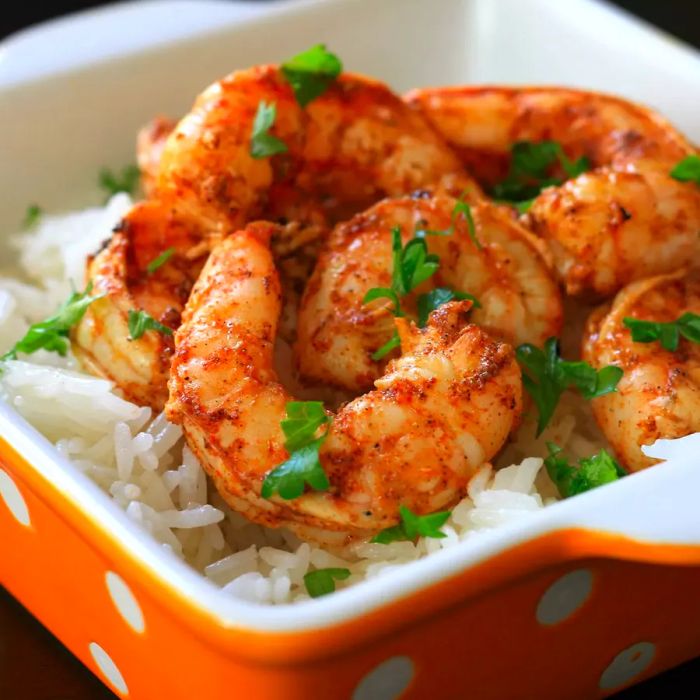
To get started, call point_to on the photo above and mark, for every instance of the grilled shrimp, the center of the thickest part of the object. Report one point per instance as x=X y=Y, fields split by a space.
x=337 y=334
x=352 y=145
x=349 y=147
x=119 y=272
x=102 y=341
x=659 y=393
x=442 y=409
x=150 y=143
x=623 y=220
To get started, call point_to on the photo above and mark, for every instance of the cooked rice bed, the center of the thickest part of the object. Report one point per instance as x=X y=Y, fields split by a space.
x=141 y=461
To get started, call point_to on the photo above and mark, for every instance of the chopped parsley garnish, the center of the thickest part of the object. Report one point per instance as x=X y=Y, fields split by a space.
x=385 y=293
x=687 y=170
x=422 y=232
x=601 y=468
x=139 y=322
x=262 y=143
x=322 y=581
x=159 y=261
x=391 y=344
x=412 y=265
x=32 y=216
x=668 y=334
x=311 y=72
x=52 y=333
x=303 y=419
x=303 y=466
x=546 y=376
x=412 y=526
x=465 y=210
x=522 y=207
x=460 y=208
x=394 y=341
x=529 y=172
x=125 y=181
x=435 y=298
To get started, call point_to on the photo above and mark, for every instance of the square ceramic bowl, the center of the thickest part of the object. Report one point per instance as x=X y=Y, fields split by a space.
x=582 y=599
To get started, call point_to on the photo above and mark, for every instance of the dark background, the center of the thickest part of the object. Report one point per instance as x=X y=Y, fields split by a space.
x=680 y=17
x=34 y=666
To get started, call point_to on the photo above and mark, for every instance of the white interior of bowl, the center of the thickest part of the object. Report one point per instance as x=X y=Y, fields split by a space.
x=58 y=129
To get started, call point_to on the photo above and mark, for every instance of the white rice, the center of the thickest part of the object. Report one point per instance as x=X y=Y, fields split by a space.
x=141 y=461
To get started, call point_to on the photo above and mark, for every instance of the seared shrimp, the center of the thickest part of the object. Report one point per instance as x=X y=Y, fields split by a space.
x=659 y=393
x=337 y=334
x=441 y=410
x=102 y=341
x=349 y=147
x=623 y=220
x=352 y=145
x=120 y=272
x=150 y=143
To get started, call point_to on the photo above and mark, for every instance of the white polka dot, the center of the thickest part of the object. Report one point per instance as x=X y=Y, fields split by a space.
x=627 y=665
x=13 y=498
x=125 y=601
x=387 y=681
x=108 y=668
x=564 y=597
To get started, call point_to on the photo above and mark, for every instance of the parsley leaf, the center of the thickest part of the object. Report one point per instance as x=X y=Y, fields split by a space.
x=262 y=143
x=529 y=170
x=547 y=376
x=687 y=170
x=412 y=526
x=322 y=581
x=159 y=261
x=303 y=419
x=391 y=344
x=424 y=232
x=460 y=207
x=599 y=469
x=139 y=322
x=435 y=298
x=125 y=181
x=415 y=266
x=412 y=265
x=397 y=276
x=52 y=333
x=573 y=168
x=533 y=159
x=524 y=206
x=384 y=293
x=303 y=465
x=32 y=216
x=465 y=210
x=668 y=334
x=311 y=72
